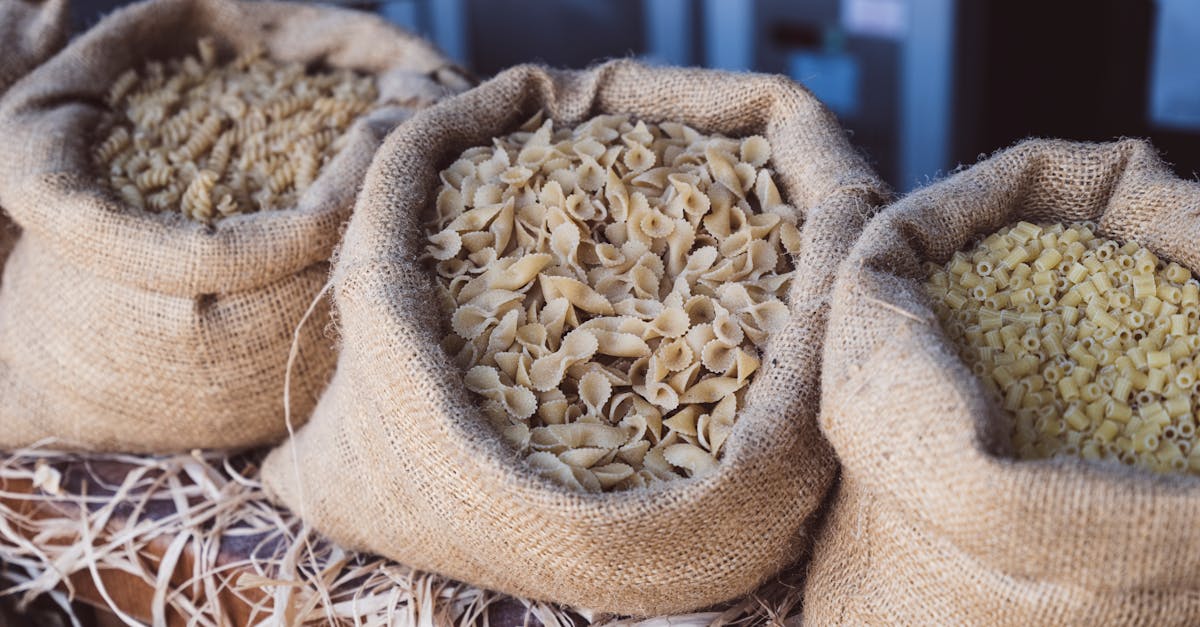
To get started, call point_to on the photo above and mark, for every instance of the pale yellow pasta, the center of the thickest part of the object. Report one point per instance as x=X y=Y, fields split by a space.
x=212 y=141
x=1083 y=341
x=610 y=289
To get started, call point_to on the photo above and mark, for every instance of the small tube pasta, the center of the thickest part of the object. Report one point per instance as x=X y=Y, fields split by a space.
x=1089 y=344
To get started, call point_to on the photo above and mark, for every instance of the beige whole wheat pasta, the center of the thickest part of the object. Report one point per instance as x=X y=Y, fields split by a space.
x=610 y=289
x=1089 y=344
x=212 y=140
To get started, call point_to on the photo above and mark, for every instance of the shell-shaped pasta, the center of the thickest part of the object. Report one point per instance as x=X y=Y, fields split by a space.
x=613 y=474
x=721 y=166
x=693 y=459
x=755 y=150
x=521 y=273
x=656 y=464
x=589 y=147
x=719 y=424
x=616 y=324
x=684 y=420
x=686 y=378
x=591 y=175
x=643 y=280
x=700 y=261
x=607 y=275
x=502 y=227
x=509 y=363
x=656 y=225
x=490 y=170
x=718 y=356
x=638 y=158
x=710 y=390
x=516 y=176
x=697 y=337
x=585 y=457
x=620 y=203
x=727 y=330
x=660 y=394
x=618 y=344
x=688 y=200
x=770 y=316
x=504 y=334
x=577 y=293
x=789 y=236
x=470 y=321
x=595 y=390
x=551 y=467
x=558 y=438
x=746 y=365
x=444 y=245
x=643 y=308
x=547 y=371
x=675 y=355
x=477 y=218
x=564 y=242
x=474 y=241
x=732 y=296
x=639 y=134
x=517 y=401
x=554 y=317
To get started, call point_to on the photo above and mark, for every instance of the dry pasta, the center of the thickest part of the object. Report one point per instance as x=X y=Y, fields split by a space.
x=610 y=289
x=213 y=140
x=1089 y=344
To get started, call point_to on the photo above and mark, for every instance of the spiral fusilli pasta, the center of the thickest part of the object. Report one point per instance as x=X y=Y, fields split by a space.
x=212 y=140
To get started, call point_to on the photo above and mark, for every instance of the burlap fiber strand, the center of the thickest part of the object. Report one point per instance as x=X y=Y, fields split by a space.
x=132 y=331
x=30 y=32
x=399 y=459
x=934 y=522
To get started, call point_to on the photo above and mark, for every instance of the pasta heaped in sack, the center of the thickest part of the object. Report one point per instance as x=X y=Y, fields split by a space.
x=954 y=508
x=126 y=325
x=639 y=313
x=415 y=429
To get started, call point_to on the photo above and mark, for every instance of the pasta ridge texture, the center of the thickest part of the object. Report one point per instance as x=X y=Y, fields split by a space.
x=583 y=292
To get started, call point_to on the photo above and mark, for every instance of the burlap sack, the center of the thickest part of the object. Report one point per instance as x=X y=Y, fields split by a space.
x=29 y=33
x=399 y=459
x=934 y=522
x=127 y=330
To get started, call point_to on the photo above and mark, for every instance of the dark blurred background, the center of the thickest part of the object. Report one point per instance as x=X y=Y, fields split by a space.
x=923 y=85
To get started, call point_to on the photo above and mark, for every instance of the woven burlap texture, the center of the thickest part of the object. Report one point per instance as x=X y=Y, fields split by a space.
x=30 y=32
x=123 y=330
x=934 y=522
x=399 y=459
